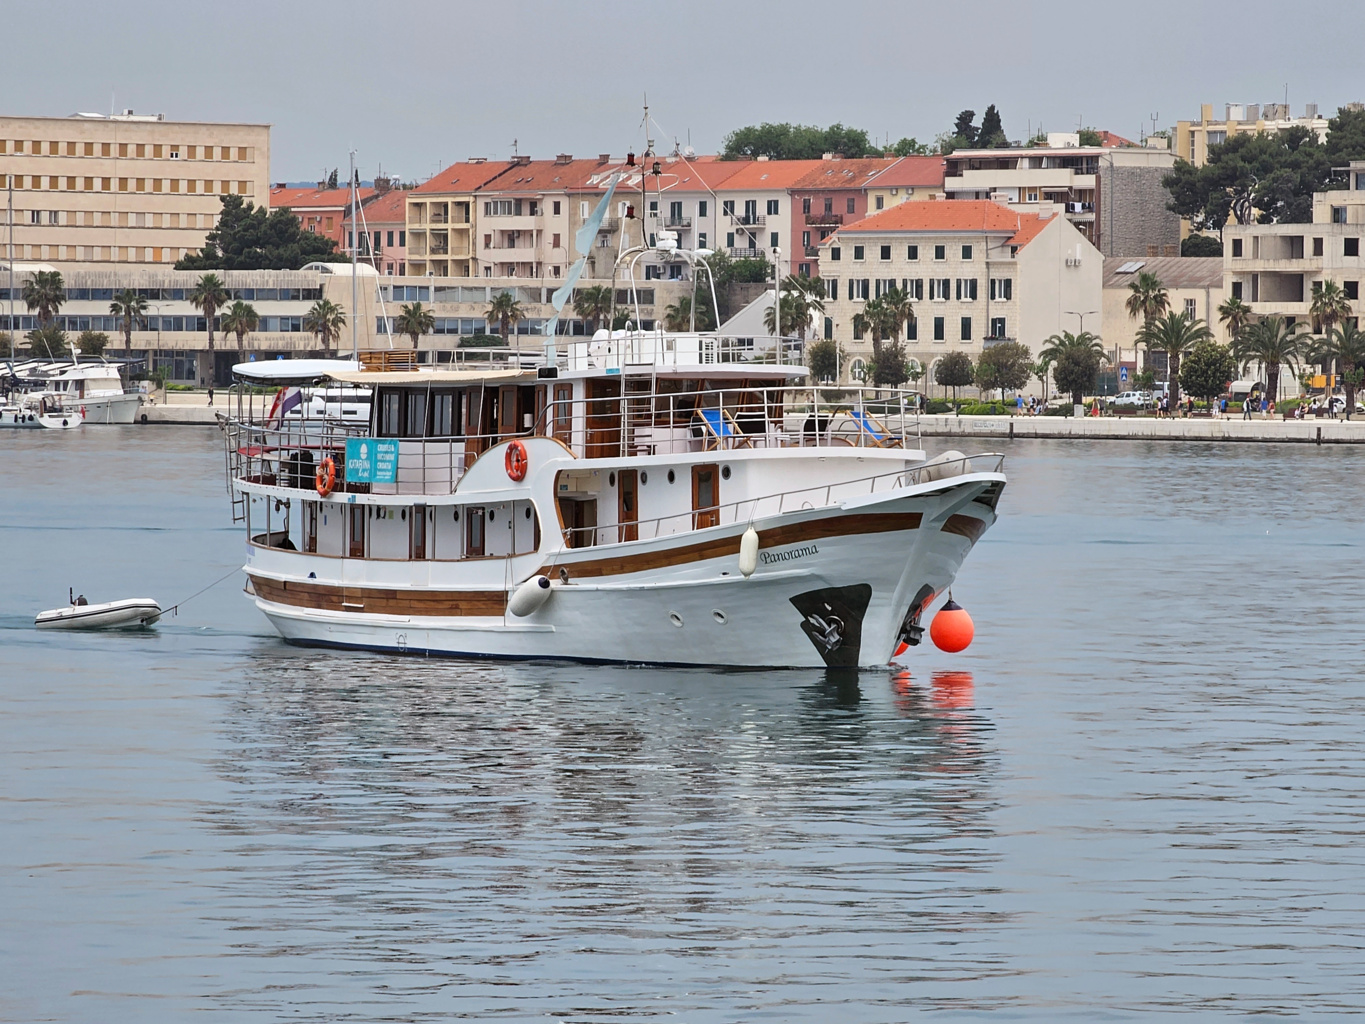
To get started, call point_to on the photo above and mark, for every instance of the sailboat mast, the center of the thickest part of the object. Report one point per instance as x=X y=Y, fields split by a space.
x=355 y=281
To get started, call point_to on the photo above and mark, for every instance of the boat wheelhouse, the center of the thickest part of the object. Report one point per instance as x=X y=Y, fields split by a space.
x=645 y=497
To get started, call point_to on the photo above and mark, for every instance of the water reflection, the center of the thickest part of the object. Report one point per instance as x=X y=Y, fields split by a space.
x=489 y=822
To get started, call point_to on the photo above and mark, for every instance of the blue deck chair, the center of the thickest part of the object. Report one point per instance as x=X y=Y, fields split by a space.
x=720 y=430
x=872 y=430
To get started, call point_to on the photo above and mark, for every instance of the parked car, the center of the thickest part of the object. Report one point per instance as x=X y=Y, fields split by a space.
x=1132 y=400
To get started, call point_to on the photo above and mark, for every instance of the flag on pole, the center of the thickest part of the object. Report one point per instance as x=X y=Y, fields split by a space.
x=285 y=400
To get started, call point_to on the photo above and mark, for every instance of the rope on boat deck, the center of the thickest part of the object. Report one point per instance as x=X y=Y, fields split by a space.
x=173 y=609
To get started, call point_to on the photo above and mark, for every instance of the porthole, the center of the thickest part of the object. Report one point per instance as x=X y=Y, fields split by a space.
x=455 y=514
x=403 y=515
x=611 y=479
x=644 y=478
x=725 y=472
x=491 y=515
x=676 y=619
x=719 y=616
x=671 y=477
x=528 y=511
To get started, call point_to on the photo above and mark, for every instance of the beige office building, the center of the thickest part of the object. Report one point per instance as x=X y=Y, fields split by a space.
x=1193 y=138
x=123 y=189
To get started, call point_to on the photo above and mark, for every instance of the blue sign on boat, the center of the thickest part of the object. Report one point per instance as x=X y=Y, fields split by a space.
x=371 y=460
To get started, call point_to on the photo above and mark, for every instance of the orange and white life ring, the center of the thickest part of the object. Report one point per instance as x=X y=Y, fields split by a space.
x=516 y=461
x=327 y=476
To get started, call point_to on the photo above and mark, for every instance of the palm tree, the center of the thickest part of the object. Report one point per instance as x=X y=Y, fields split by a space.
x=209 y=295
x=1065 y=345
x=795 y=312
x=240 y=319
x=1175 y=334
x=506 y=310
x=678 y=315
x=1345 y=346
x=325 y=320
x=1236 y=314
x=593 y=304
x=415 y=320
x=899 y=308
x=44 y=292
x=129 y=307
x=1272 y=342
x=1147 y=298
x=1329 y=306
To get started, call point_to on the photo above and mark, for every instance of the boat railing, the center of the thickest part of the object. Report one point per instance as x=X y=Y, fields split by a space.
x=749 y=510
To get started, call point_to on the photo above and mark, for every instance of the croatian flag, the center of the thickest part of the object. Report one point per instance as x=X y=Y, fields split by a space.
x=285 y=399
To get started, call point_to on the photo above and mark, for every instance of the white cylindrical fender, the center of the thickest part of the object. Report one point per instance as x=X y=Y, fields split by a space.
x=529 y=596
x=951 y=463
x=748 y=552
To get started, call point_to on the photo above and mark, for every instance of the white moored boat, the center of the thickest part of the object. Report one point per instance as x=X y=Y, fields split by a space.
x=93 y=390
x=130 y=613
x=37 y=412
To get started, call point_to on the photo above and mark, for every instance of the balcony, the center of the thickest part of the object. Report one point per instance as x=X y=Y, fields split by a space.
x=752 y=220
x=678 y=222
x=812 y=251
x=746 y=254
x=824 y=218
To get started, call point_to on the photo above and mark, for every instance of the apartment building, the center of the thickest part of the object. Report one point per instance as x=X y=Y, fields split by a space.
x=129 y=188
x=909 y=179
x=1193 y=138
x=977 y=273
x=1194 y=286
x=383 y=227
x=1112 y=194
x=1275 y=268
x=320 y=210
x=440 y=219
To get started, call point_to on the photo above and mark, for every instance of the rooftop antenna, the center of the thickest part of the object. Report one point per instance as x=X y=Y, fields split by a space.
x=514 y=148
x=1154 y=120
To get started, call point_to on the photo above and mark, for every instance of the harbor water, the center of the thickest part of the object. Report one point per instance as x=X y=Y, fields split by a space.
x=1138 y=792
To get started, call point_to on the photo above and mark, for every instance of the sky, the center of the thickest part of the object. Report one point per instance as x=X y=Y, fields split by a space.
x=413 y=85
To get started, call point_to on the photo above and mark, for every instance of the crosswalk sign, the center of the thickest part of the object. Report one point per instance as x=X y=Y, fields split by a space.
x=1123 y=374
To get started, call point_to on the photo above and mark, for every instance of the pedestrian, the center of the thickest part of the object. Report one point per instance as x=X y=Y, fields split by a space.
x=1264 y=406
x=1223 y=407
x=1246 y=408
x=210 y=396
x=1272 y=408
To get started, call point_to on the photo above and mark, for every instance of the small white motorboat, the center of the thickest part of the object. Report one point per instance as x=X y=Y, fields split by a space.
x=130 y=613
x=36 y=412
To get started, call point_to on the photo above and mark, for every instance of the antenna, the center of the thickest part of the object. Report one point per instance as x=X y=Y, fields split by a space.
x=515 y=152
x=1154 y=120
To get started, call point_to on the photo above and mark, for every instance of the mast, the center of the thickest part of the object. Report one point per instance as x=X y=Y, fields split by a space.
x=9 y=179
x=355 y=281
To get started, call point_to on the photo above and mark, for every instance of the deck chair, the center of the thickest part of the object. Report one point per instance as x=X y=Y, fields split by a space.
x=719 y=430
x=872 y=430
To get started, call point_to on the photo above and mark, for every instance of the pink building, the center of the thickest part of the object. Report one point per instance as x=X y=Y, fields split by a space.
x=384 y=233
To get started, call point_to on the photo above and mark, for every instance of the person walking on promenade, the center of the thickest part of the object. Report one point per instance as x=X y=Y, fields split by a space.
x=1264 y=406
x=210 y=396
x=1223 y=407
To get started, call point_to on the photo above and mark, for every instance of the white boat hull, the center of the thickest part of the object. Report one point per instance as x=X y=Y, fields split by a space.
x=106 y=409
x=130 y=613
x=832 y=589
x=31 y=419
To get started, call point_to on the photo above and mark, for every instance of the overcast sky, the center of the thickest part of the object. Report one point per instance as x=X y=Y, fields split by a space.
x=416 y=84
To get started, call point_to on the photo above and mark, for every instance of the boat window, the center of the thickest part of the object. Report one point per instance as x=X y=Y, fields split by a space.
x=445 y=414
x=474 y=532
x=356 y=531
x=416 y=419
x=418 y=534
x=563 y=415
x=390 y=414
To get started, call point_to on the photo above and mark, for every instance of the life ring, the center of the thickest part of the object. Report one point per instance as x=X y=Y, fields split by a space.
x=327 y=476
x=516 y=461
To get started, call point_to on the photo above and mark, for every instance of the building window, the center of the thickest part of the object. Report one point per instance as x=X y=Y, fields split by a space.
x=554 y=240
x=940 y=253
x=997 y=327
x=914 y=288
x=554 y=207
x=966 y=328
x=389 y=237
x=886 y=254
x=858 y=253
x=862 y=287
x=835 y=254
x=832 y=287
x=701 y=208
x=829 y=205
x=938 y=328
x=772 y=240
x=1190 y=310
x=1237 y=247
x=1236 y=289
x=1317 y=248
x=805 y=205
x=938 y=289
x=852 y=208
x=881 y=202
x=965 y=289
x=966 y=252
x=772 y=207
x=1338 y=215
x=1351 y=247
x=804 y=270
x=829 y=328
x=912 y=329
x=727 y=207
x=701 y=240
x=402 y=238
x=805 y=239
x=857 y=330
x=912 y=252
x=1002 y=288
x=729 y=239
x=1352 y=289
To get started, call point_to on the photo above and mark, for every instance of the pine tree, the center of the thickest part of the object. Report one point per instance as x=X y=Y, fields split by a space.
x=964 y=127
x=991 y=134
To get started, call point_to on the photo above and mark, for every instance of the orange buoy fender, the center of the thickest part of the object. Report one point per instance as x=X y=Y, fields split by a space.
x=516 y=461
x=952 y=629
x=327 y=476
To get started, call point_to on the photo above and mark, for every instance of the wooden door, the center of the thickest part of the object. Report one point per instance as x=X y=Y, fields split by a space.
x=705 y=497
x=473 y=411
x=507 y=412
x=474 y=532
x=541 y=421
x=310 y=527
x=604 y=418
x=418 y=533
x=355 y=530
x=628 y=504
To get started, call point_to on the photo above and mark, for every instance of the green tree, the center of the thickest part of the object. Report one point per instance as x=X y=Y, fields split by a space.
x=954 y=371
x=1090 y=137
x=796 y=142
x=822 y=359
x=1344 y=346
x=324 y=320
x=964 y=128
x=6 y=345
x=1042 y=370
x=44 y=293
x=888 y=368
x=415 y=320
x=48 y=340
x=1075 y=361
x=1270 y=342
x=129 y=307
x=209 y=295
x=92 y=343
x=593 y=305
x=992 y=132
x=506 y=311
x=1346 y=137
x=248 y=237
x=1201 y=245
x=1006 y=366
x=1175 y=334
x=910 y=147
x=1207 y=370
x=240 y=319
x=1147 y=298
x=1328 y=307
x=1235 y=314
x=678 y=315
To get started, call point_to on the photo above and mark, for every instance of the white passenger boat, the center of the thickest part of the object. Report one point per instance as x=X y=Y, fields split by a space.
x=37 y=412
x=130 y=613
x=93 y=389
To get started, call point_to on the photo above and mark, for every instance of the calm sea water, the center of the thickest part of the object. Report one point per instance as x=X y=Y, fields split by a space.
x=1139 y=791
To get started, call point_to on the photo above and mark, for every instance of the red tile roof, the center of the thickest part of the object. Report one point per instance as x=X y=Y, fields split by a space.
x=912 y=172
x=958 y=215
x=544 y=176
x=1030 y=227
x=316 y=198
x=767 y=175
x=1111 y=141
x=389 y=208
x=463 y=177
x=843 y=173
